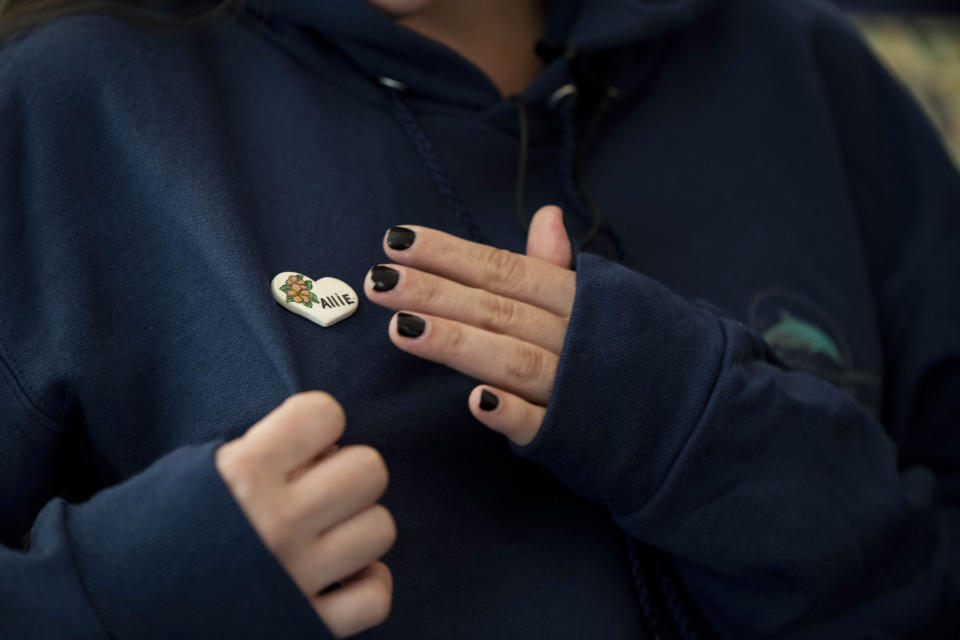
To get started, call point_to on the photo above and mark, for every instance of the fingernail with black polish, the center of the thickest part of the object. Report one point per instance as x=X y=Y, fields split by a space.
x=400 y=238
x=488 y=401
x=384 y=278
x=409 y=325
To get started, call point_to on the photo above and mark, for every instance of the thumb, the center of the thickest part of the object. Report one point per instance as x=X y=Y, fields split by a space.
x=547 y=239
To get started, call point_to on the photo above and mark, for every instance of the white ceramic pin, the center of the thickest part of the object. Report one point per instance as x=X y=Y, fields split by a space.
x=325 y=301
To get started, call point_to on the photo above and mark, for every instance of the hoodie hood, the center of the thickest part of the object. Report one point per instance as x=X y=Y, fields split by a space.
x=380 y=47
x=582 y=47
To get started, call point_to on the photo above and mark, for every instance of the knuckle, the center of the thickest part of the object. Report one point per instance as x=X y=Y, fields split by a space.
x=310 y=399
x=371 y=463
x=321 y=403
x=379 y=598
x=429 y=291
x=380 y=604
x=386 y=526
x=316 y=400
x=526 y=364
x=455 y=339
x=385 y=576
x=501 y=315
x=337 y=421
x=503 y=267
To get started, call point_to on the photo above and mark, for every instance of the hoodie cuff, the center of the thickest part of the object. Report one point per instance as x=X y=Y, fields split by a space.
x=169 y=554
x=637 y=367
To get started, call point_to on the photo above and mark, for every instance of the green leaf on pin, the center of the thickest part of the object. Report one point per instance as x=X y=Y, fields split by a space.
x=308 y=304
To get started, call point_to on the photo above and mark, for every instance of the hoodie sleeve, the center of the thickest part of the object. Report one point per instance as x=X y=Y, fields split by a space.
x=788 y=509
x=166 y=554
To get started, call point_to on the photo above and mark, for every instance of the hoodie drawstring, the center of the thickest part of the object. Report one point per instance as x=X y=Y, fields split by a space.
x=573 y=155
x=420 y=140
x=522 y=162
x=571 y=172
x=571 y=158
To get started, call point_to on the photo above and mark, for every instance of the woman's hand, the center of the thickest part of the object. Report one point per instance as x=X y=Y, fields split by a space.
x=494 y=315
x=314 y=506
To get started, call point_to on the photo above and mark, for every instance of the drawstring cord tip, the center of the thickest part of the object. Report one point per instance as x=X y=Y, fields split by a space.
x=393 y=84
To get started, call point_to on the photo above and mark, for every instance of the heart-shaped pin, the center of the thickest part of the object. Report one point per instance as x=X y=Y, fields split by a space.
x=325 y=301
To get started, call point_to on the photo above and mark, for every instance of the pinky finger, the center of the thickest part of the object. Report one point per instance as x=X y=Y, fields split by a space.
x=361 y=603
x=507 y=413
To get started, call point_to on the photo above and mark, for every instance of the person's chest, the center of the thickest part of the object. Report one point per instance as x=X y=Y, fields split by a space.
x=200 y=349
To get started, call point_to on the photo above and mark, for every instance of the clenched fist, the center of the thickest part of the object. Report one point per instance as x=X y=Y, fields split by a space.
x=315 y=507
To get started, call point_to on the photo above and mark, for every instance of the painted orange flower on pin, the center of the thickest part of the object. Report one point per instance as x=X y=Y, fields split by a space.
x=298 y=290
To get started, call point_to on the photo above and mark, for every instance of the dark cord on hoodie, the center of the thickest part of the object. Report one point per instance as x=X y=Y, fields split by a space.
x=572 y=159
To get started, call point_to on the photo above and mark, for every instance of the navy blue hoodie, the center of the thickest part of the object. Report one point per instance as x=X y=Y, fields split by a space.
x=760 y=381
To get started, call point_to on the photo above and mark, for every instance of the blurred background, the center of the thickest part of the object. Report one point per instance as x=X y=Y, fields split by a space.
x=919 y=41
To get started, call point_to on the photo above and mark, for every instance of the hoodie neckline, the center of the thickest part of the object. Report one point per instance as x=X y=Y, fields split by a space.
x=433 y=71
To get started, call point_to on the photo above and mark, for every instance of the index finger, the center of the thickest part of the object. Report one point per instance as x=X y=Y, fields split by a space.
x=304 y=425
x=478 y=265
